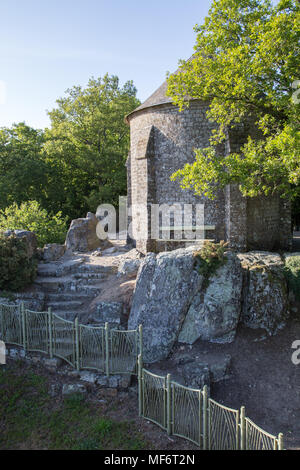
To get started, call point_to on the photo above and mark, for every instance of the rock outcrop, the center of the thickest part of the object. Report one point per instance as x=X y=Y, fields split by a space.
x=82 y=234
x=174 y=304
x=30 y=238
x=265 y=294
x=214 y=313
x=107 y=312
x=53 y=252
x=165 y=285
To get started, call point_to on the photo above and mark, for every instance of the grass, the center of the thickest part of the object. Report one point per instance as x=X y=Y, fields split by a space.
x=31 y=419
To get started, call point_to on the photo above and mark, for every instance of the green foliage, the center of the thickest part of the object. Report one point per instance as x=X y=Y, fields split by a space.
x=79 y=162
x=245 y=62
x=89 y=142
x=17 y=269
x=30 y=216
x=292 y=272
x=210 y=258
x=23 y=171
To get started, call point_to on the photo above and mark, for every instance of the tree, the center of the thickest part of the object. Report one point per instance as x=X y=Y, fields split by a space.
x=22 y=168
x=89 y=142
x=246 y=63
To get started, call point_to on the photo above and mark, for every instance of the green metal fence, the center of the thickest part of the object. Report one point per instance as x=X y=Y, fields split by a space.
x=257 y=439
x=83 y=347
x=64 y=340
x=186 y=413
x=92 y=348
x=36 y=331
x=223 y=427
x=193 y=415
x=153 y=399
x=179 y=410
x=123 y=350
x=11 y=319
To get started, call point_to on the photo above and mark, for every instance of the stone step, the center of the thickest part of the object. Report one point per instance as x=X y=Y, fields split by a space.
x=53 y=284
x=96 y=268
x=88 y=276
x=67 y=297
x=68 y=306
x=59 y=270
x=92 y=290
x=46 y=272
x=88 y=282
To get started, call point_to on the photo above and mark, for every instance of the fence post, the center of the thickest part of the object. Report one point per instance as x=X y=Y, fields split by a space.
x=205 y=416
x=23 y=317
x=169 y=411
x=141 y=340
x=107 y=349
x=50 y=332
x=200 y=417
x=243 y=428
x=140 y=384
x=77 y=359
x=280 y=441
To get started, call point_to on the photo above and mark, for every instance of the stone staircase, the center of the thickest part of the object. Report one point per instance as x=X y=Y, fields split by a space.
x=69 y=287
x=91 y=286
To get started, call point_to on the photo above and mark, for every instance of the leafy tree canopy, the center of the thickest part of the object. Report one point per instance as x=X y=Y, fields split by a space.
x=22 y=168
x=89 y=142
x=246 y=63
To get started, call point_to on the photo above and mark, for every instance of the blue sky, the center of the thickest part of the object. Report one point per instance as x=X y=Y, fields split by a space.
x=47 y=46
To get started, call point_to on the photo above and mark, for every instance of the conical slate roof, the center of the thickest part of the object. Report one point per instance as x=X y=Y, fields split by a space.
x=157 y=98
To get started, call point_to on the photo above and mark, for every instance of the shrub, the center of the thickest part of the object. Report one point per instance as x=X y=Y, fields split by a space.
x=30 y=216
x=292 y=273
x=17 y=268
x=210 y=257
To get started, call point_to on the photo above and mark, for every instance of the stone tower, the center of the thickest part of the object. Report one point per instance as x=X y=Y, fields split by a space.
x=162 y=141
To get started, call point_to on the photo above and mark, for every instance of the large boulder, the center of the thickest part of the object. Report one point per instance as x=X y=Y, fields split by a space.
x=129 y=266
x=215 y=311
x=107 y=312
x=29 y=237
x=53 y=252
x=292 y=271
x=165 y=285
x=265 y=298
x=82 y=234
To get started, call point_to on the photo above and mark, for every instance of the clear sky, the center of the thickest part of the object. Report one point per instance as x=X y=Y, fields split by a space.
x=47 y=46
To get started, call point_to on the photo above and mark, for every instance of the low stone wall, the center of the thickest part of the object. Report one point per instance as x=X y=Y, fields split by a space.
x=64 y=371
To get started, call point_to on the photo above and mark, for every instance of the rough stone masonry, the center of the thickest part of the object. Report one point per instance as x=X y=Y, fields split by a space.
x=162 y=141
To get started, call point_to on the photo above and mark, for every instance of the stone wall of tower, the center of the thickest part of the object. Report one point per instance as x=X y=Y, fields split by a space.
x=162 y=141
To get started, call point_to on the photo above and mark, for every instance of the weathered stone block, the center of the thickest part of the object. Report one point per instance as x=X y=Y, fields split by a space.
x=30 y=238
x=265 y=303
x=89 y=377
x=53 y=252
x=107 y=312
x=53 y=363
x=129 y=266
x=82 y=234
x=165 y=285
x=69 y=389
x=215 y=311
